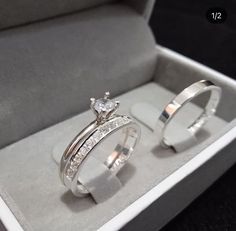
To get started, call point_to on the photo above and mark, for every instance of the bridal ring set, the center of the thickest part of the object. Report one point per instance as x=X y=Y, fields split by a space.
x=107 y=123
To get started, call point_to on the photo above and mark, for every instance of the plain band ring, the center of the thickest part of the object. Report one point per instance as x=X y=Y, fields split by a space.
x=183 y=98
x=91 y=136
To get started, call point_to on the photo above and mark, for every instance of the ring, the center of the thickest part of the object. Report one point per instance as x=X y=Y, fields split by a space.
x=105 y=124
x=183 y=98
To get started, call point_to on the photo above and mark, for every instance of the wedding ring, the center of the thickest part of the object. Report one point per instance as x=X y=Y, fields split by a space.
x=187 y=95
x=105 y=124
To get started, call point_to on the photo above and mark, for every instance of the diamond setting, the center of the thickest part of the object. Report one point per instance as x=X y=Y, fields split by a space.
x=104 y=105
x=91 y=142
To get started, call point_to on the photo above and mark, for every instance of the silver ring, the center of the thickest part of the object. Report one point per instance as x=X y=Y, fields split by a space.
x=188 y=94
x=106 y=123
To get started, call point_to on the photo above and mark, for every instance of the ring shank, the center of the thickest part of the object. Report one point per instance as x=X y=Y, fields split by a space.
x=187 y=95
x=115 y=161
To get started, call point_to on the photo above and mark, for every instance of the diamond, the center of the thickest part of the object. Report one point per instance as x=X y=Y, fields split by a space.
x=73 y=167
x=126 y=119
x=112 y=125
x=104 y=108
x=119 y=122
x=105 y=129
x=73 y=163
x=93 y=140
x=77 y=158
x=70 y=172
x=97 y=136
x=83 y=150
x=103 y=104
x=115 y=123
x=90 y=142
x=76 y=161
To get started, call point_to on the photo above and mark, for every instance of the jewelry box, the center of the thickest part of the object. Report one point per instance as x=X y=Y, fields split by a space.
x=54 y=57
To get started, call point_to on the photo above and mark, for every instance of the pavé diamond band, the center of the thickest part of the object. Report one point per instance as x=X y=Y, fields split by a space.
x=106 y=123
x=184 y=97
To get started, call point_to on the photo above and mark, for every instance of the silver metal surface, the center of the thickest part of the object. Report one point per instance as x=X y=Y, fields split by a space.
x=175 y=105
x=106 y=123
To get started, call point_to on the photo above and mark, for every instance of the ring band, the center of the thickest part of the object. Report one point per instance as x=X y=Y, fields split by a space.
x=91 y=136
x=183 y=98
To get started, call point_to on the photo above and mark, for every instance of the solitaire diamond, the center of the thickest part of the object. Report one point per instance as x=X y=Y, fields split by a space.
x=104 y=105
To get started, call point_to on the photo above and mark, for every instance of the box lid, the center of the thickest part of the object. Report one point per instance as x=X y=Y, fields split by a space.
x=26 y=11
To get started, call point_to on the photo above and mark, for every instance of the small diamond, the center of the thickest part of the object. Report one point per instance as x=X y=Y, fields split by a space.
x=93 y=141
x=78 y=158
x=112 y=125
x=69 y=172
x=108 y=127
x=75 y=162
x=97 y=136
x=119 y=122
x=90 y=142
x=126 y=119
x=102 y=104
x=83 y=150
x=87 y=147
x=74 y=167
x=105 y=129
x=115 y=123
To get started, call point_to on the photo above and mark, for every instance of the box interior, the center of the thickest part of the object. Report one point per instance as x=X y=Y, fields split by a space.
x=54 y=84
x=30 y=175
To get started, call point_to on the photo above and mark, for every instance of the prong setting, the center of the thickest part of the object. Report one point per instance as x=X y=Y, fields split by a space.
x=92 y=100
x=104 y=107
x=117 y=104
x=106 y=95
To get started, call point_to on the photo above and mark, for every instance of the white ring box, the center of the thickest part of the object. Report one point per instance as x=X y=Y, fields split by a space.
x=156 y=184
